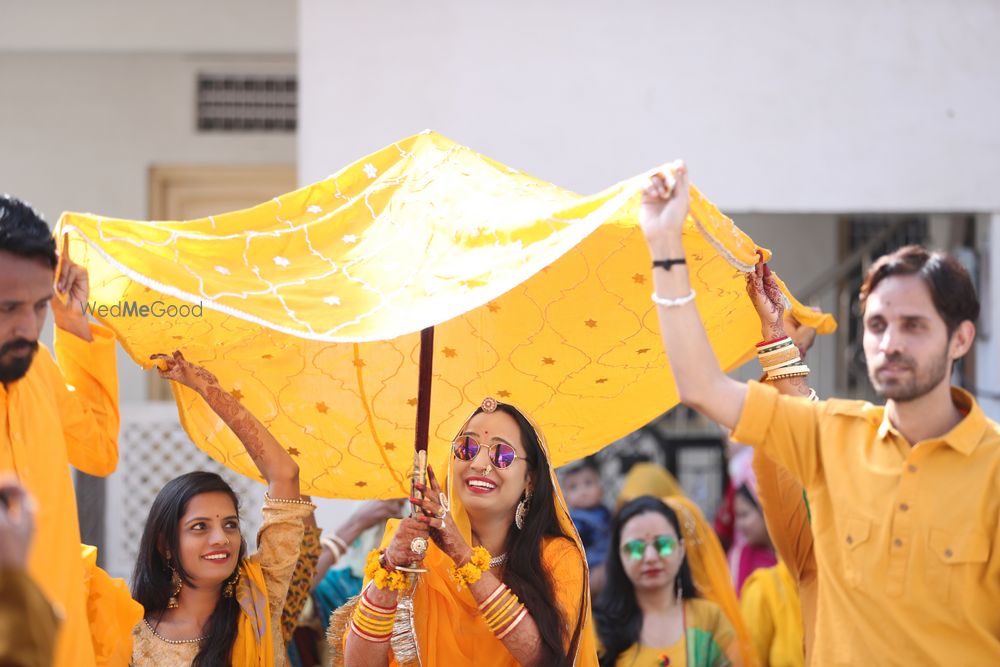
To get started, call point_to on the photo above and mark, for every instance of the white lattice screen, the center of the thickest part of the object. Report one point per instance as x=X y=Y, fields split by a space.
x=153 y=449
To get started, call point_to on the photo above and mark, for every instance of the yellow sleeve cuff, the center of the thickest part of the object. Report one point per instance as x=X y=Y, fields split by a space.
x=758 y=410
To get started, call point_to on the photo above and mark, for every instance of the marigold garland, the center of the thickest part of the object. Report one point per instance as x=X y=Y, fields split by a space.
x=471 y=572
x=383 y=578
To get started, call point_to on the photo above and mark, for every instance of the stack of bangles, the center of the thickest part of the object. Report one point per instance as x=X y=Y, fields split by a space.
x=372 y=622
x=779 y=359
x=336 y=545
x=502 y=611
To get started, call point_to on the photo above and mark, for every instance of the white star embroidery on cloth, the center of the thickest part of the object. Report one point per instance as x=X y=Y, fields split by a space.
x=314 y=209
x=370 y=170
x=223 y=270
x=350 y=238
x=281 y=261
x=332 y=300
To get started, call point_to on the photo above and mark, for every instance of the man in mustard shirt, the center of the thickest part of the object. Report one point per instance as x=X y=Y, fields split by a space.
x=53 y=416
x=905 y=497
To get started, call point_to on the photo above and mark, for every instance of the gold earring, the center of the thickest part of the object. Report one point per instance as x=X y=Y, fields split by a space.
x=230 y=587
x=521 y=513
x=177 y=583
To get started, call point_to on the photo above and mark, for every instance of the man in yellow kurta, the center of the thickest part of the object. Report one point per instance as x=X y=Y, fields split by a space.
x=53 y=416
x=905 y=497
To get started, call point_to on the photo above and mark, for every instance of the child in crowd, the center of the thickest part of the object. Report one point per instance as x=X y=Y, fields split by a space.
x=584 y=493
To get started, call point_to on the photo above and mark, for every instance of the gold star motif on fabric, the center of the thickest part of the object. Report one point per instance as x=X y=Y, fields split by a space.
x=548 y=361
x=493 y=307
x=601 y=380
x=390 y=446
x=449 y=352
x=642 y=350
x=293 y=452
x=591 y=323
x=639 y=279
x=503 y=393
x=411 y=401
x=266 y=356
x=322 y=407
x=237 y=394
x=359 y=363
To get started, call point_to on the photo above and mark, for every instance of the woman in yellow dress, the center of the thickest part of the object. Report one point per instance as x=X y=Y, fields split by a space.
x=207 y=603
x=506 y=580
x=651 y=613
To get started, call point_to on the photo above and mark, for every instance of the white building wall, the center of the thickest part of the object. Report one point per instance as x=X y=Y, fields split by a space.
x=779 y=107
x=79 y=132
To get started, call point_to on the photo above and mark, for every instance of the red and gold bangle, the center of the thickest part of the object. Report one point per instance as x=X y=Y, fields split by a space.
x=771 y=345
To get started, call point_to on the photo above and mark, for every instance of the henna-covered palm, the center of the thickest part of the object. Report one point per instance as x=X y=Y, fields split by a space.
x=444 y=531
x=177 y=368
x=767 y=300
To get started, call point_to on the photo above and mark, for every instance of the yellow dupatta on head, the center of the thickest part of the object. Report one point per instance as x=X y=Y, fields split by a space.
x=710 y=570
x=648 y=479
x=254 y=646
x=446 y=622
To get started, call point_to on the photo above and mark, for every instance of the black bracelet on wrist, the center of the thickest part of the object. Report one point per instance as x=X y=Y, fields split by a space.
x=667 y=263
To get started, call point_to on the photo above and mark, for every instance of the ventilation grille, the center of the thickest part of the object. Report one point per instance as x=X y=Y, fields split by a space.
x=247 y=103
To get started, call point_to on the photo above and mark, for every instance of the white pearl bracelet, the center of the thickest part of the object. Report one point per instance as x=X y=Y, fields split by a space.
x=672 y=303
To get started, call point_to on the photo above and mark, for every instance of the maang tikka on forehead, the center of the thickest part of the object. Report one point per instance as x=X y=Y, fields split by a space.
x=489 y=404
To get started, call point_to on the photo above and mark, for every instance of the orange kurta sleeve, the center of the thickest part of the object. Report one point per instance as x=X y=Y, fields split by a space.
x=786 y=514
x=784 y=427
x=87 y=395
x=111 y=611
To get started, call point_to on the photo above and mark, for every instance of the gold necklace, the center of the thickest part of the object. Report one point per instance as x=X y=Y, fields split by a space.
x=172 y=641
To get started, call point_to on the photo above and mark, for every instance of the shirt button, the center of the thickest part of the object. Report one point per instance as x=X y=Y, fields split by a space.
x=850 y=540
x=898 y=542
x=903 y=507
x=911 y=468
x=948 y=553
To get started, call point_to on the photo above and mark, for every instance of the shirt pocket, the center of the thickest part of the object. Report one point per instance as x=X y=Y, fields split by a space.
x=856 y=552
x=956 y=562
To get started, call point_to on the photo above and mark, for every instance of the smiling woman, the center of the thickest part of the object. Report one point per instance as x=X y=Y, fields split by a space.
x=506 y=579
x=206 y=602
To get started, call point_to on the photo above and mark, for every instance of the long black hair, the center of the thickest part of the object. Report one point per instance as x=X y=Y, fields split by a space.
x=525 y=573
x=617 y=612
x=151 y=585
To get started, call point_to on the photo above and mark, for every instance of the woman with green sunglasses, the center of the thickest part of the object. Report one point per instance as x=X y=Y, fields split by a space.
x=650 y=613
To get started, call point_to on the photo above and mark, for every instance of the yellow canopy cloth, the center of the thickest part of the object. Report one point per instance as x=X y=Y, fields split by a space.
x=308 y=307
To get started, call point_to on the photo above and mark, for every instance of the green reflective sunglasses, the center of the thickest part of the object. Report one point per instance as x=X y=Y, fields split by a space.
x=664 y=545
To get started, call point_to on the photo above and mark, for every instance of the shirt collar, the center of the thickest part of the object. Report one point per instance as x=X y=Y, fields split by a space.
x=964 y=436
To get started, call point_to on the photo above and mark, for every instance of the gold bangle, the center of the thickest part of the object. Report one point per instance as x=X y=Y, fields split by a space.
x=794 y=361
x=499 y=602
x=499 y=614
x=492 y=596
x=513 y=624
x=788 y=370
x=288 y=501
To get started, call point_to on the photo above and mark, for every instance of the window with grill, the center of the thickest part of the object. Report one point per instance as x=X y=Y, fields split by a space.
x=247 y=103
